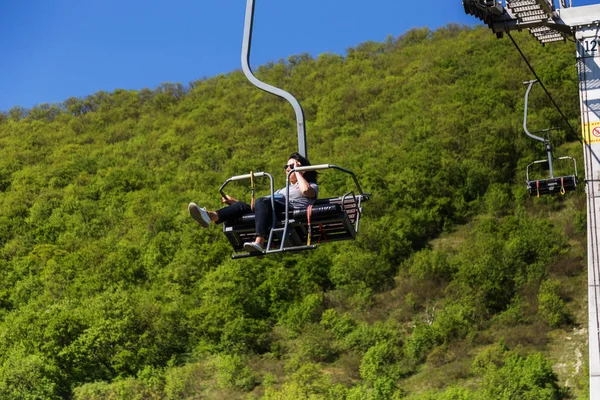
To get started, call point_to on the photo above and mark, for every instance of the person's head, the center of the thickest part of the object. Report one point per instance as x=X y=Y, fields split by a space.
x=298 y=159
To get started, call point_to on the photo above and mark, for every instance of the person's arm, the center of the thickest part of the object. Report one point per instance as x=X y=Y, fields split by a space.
x=305 y=188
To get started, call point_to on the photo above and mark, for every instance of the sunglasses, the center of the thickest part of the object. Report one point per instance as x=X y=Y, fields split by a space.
x=291 y=166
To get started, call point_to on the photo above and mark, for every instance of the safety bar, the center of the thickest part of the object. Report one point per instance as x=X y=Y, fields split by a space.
x=247 y=176
x=331 y=166
x=253 y=175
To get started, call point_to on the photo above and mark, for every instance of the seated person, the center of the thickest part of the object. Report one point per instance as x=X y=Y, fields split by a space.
x=303 y=192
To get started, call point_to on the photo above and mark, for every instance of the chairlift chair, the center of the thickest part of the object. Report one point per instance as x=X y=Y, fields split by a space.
x=552 y=184
x=327 y=220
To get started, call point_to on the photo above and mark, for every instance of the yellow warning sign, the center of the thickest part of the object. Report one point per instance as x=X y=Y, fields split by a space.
x=591 y=132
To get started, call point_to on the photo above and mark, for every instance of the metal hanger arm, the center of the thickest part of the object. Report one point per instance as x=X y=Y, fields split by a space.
x=265 y=86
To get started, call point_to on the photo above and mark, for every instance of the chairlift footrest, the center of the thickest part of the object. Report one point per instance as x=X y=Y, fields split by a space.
x=287 y=249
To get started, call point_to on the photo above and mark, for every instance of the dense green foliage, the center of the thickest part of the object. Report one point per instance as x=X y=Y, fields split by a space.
x=110 y=290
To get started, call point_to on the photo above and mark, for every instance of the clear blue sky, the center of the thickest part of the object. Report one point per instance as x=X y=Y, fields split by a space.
x=52 y=50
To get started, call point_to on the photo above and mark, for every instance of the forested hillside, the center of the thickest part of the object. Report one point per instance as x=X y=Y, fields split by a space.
x=460 y=286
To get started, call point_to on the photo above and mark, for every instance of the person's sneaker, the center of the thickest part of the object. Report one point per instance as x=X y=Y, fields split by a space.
x=199 y=214
x=253 y=247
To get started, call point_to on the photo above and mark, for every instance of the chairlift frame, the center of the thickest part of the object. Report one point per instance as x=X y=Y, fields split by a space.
x=551 y=185
x=333 y=219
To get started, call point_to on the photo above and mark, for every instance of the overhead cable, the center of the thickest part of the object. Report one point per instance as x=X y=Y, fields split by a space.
x=544 y=87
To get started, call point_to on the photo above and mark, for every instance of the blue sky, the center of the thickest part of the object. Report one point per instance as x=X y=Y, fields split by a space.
x=54 y=50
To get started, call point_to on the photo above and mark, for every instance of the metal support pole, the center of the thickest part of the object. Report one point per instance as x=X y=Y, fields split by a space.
x=546 y=143
x=588 y=66
x=246 y=44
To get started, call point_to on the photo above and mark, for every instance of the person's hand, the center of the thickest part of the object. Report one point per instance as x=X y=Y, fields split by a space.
x=297 y=164
x=228 y=200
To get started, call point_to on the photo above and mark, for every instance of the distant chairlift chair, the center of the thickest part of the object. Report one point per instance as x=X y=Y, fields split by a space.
x=551 y=185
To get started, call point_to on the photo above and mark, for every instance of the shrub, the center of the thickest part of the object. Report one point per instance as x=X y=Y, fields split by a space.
x=28 y=377
x=366 y=336
x=339 y=325
x=513 y=315
x=507 y=375
x=453 y=321
x=581 y=221
x=316 y=344
x=357 y=266
x=242 y=334
x=132 y=389
x=551 y=307
x=233 y=373
x=92 y=391
x=452 y=393
x=306 y=311
x=430 y=265
x=490 y=358
x=307 y=383
x=184 y=382
x=498 y=199
x=379 y=362
x=422 y=340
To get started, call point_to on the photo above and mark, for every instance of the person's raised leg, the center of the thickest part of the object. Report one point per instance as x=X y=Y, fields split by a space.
x=204 y=217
